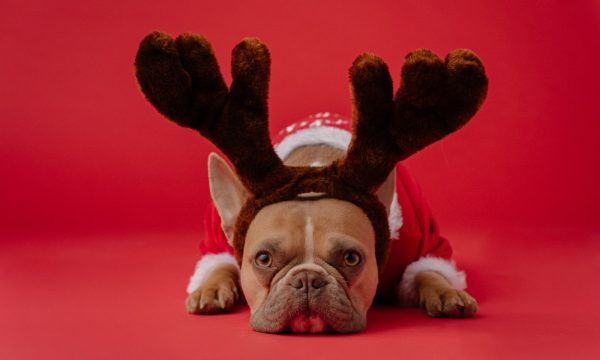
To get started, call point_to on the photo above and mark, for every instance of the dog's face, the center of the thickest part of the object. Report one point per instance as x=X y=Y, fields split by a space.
x=308 y=265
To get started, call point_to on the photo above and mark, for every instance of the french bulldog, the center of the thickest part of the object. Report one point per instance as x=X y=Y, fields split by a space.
x=309 y=264
x=314 y=259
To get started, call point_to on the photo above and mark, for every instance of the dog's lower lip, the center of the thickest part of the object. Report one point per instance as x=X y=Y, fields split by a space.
x=308 y=323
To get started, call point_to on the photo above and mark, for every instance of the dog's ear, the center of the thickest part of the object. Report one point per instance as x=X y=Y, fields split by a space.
x=386 y=191
x=227 y=192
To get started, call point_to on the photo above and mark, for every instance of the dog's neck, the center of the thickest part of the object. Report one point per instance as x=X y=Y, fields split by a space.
x=322 y=155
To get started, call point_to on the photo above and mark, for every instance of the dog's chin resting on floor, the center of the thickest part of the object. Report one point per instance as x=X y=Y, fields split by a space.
x=311 y=231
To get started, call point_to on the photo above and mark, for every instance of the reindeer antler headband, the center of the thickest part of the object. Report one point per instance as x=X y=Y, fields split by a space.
x=181 y=78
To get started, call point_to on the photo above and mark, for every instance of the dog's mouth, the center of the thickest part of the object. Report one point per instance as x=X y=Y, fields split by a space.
x=327 y=314
x=308 y=323
x=303 y=307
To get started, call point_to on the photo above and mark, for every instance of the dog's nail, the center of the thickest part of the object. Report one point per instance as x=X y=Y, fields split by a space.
x=222 y=300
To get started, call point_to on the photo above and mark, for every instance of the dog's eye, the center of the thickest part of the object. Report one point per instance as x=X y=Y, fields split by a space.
x=351 y=258
x=263 y=259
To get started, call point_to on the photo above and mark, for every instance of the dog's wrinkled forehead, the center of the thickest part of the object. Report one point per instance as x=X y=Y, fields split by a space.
x=303 y=229
x=314 y=188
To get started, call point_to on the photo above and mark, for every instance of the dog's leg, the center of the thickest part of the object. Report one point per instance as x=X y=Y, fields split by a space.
x=217 y=293
x=439 y=299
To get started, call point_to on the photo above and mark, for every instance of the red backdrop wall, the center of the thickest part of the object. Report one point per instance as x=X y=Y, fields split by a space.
x=82 y=151
x=101 y=198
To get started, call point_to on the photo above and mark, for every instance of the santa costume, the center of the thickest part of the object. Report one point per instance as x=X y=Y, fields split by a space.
x=416 y=244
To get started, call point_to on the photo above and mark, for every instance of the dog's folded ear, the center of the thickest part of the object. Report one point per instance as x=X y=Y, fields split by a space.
x=227 y=192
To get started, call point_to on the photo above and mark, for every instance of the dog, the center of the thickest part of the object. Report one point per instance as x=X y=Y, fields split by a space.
x=311 y=230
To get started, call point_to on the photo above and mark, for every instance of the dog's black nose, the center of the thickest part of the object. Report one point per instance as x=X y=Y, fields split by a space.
x=307 y=280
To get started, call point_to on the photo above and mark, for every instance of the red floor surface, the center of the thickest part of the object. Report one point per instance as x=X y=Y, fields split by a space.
x=86 y=164
x=121 y=297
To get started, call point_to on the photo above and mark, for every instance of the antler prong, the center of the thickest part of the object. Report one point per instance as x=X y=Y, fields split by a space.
x=435 y=99
x=182 y=80
x=372 y=108
x=163 y=80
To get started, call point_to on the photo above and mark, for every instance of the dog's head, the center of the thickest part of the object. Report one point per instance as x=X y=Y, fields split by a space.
x=308 y=264
x=310 y=240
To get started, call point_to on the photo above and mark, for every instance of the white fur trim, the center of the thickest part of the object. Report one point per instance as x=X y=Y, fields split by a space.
x=447 y=268
x=338 y=138
x=395 y=219
x=205 y=265
x=328 y=135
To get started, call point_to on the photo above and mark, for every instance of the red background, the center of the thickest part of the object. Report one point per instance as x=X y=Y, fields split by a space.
x=101 y=198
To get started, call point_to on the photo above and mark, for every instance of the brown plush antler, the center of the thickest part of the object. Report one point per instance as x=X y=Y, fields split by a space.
x=181 y=78
x=435 y=99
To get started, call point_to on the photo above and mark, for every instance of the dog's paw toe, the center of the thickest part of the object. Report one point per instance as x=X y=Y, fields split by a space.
x=448 y=303
x=212 y=300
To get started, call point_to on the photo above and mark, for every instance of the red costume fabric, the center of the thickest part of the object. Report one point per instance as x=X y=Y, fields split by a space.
x=414 y=232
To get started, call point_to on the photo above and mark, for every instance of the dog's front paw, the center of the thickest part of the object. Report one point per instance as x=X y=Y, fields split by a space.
x=447 y=302
x=218 y=292
x=213 y=298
